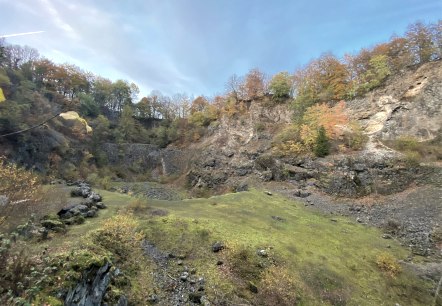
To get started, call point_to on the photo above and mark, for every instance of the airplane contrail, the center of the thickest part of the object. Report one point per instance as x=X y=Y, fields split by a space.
x=20 y=34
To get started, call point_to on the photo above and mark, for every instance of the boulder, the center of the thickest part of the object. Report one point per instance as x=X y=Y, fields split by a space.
x=95 y=197
x=217 y=246
x=65 y=212
x=100 y=205
x=91 y=213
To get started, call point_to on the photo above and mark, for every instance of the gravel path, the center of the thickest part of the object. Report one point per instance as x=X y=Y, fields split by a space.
x=179 y=285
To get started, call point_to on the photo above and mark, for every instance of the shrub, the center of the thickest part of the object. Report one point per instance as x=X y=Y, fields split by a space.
x=354 y=137
x=244 y=263
x=118 y=235
x=406 y=143
x=260 y=127
x=412 y=159
x=17 y=183
x=137 y=206
x=388 y=264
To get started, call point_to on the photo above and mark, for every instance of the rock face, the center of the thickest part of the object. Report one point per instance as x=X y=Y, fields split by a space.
x=409 y=104
x=148 y=157
x=90 y=291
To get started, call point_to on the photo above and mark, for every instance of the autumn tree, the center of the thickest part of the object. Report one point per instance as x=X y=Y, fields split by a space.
x=254 y=86
x=202 y=112
x=419 y=37
x=17 y=185
x=199 y=105
x=235 y=87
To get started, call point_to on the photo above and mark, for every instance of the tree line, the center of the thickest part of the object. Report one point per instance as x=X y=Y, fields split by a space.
x=34 y=87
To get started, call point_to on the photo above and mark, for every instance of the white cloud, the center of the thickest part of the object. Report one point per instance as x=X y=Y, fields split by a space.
x=58 y=20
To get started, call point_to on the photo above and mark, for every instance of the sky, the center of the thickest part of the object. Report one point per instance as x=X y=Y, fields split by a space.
x=194 y=46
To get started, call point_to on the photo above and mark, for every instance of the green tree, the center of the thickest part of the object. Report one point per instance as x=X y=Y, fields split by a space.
x=322 y=145
x=281 y=86
x=126 y=125
x=88 y=106
x=379 y=70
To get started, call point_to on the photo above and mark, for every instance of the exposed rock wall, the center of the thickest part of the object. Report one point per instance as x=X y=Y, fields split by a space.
x=147 y=157
x=409 y=104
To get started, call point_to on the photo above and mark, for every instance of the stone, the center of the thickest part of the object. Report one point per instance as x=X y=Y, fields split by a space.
x=262 y=253
x=277 y=218
x=100 y=205
x=65 y=212
x=242 y=187
x=252 y=287
x=217 y=246
x=301 y=193
x=268 y=193
x=153 y=298
x=95 y=197
x=82 y=208
x=195 y=297
x=91 y=213
x=184 y=276
x=76 y=192
x=88 y=202
x=179 y=262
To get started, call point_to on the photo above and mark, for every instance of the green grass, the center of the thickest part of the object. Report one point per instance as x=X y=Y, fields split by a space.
x=332 y=262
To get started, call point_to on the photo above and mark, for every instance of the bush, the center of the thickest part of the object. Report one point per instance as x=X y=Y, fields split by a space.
x=260 y=127
x=412 y=159
x=118 y=235
x=388 y=264
x=406 y=143
x=354 y=138
x=137 y=206
x=17 y=183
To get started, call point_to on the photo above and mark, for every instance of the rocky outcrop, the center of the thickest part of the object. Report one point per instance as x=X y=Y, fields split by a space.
x=92 y=288
x=409 y=104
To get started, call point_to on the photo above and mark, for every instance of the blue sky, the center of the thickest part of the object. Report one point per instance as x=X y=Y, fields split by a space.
x=194 y=46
